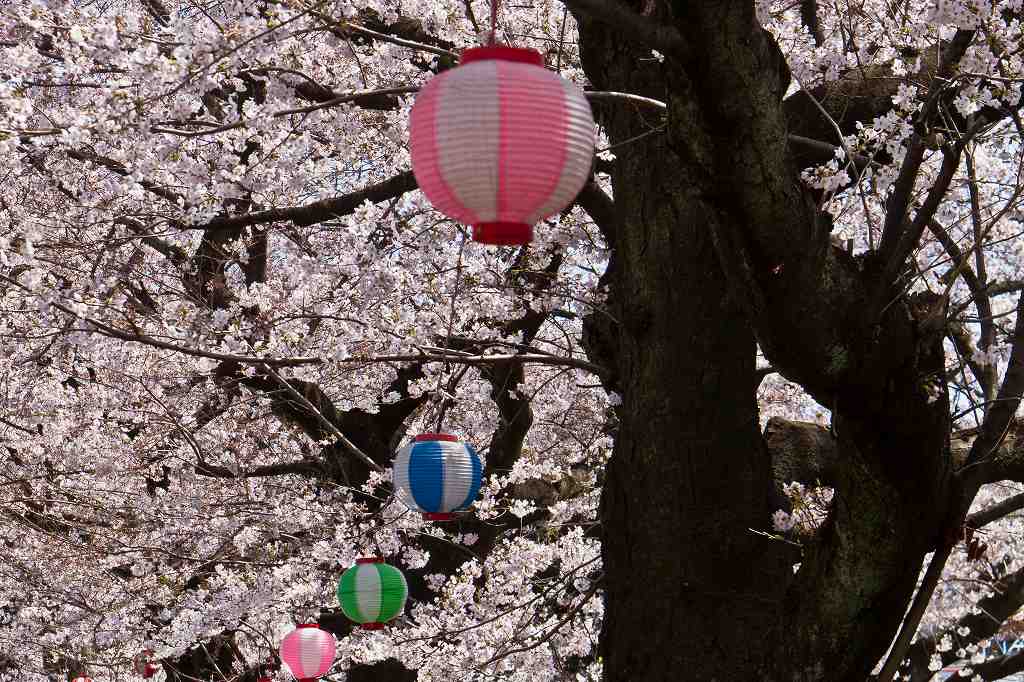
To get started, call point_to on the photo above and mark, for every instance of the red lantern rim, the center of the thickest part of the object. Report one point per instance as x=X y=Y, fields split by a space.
x=307 y=625
x=372 y=626
x=503 y=233
x=370 y=560
x=508 y=54
x=438 y=516
x=436 y=436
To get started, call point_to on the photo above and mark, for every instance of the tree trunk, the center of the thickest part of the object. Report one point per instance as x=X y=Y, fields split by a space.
x=691 y=590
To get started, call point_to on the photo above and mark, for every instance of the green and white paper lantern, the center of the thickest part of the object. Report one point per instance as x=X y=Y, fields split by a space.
x=372 y=592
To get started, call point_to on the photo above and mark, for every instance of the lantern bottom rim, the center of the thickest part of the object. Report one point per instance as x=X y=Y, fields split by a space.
x=372 y=626
x=503 y=53
x=435 y=436
x=503 y=233
x=438 y=516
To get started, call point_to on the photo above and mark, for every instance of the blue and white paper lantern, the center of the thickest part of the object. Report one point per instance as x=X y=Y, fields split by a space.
x=437 y=474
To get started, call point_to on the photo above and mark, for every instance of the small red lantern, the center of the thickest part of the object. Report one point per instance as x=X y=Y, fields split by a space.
x=144 y=665
x=82 y=679
x=501 y=143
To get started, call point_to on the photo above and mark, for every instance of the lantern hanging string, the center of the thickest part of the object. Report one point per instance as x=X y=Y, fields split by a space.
x=441 y=394
x=494 y=22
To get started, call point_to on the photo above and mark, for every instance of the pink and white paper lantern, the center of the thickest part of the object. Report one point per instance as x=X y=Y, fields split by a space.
x=501 y=143
x=82 y=679
x=308 y=651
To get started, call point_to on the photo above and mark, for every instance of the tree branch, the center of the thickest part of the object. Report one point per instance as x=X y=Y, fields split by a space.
x=317 y=211
x=172 y=252
x=917 y=608
x=801 y=451
x=328 y=424
x=302 y=468
x=984 y=623
x=809 y=16
x=997 y=511
x=1000 y=668
x=665 y=39
x=998 y=419
x=120 y=169
x=601 y=208
x=899 y=241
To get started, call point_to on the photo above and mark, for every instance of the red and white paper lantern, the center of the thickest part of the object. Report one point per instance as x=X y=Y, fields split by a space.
x=82 y=679
x=144 y=665
x=500 y=142
x=308 y=651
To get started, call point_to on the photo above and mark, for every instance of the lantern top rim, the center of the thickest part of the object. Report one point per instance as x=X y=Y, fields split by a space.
x=436 y=436
x=503 y=53
x=370 y=560
x=307 y=625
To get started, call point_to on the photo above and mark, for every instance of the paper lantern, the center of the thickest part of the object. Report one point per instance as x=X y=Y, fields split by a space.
x=372 y=592
x=144 y=665
x=437 y=474
x=82 y=679
x=500 y=143
x=308 y=651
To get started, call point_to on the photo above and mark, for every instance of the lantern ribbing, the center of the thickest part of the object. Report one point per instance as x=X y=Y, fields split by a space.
x=308 y=652
x=372 y=593
x=437 y=474
x=501 y=143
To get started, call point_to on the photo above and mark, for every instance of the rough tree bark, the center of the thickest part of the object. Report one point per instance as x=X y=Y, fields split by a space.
x=689 y=477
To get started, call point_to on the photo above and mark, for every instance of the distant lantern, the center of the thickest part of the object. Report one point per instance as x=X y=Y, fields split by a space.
x=144 y=665
x=372 y=592
x=500 y=142
x=82 y=679
x=308 y=651
x=437 y=474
